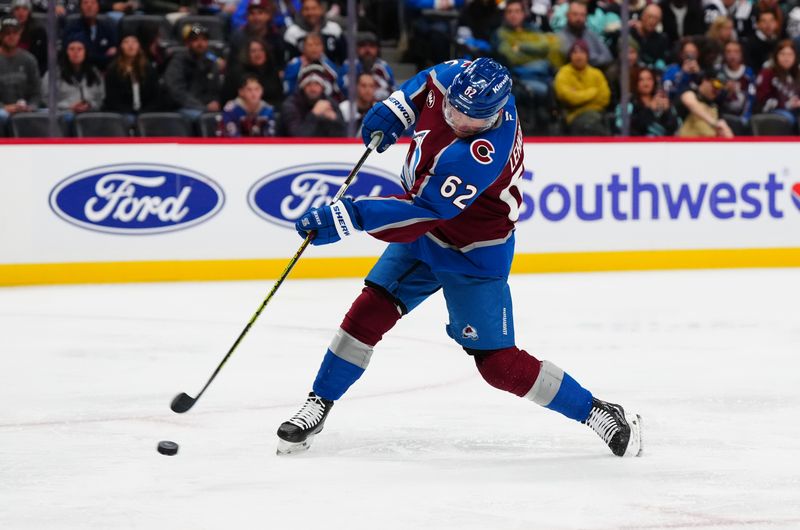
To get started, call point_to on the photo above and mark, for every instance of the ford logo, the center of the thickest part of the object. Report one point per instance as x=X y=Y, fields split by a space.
x=136 y=198
x=282 y=197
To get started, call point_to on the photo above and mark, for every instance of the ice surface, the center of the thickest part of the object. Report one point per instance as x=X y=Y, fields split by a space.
x=710 y=359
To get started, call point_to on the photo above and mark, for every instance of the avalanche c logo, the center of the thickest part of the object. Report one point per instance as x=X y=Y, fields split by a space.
x=481 y=151
x=796 y=195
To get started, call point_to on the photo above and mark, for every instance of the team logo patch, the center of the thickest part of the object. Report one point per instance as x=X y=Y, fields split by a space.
x=796 y=195
x=481 y=150
x=469 y=333
x=431 y=99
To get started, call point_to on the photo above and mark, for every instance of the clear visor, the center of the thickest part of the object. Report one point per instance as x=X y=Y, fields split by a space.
x=463 y=124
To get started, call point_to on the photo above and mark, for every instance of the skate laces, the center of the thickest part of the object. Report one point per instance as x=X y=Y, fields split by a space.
x=603 y=422
x=310 y=414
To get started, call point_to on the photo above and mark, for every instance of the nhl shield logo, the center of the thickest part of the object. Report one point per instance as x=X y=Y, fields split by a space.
x=469 y=333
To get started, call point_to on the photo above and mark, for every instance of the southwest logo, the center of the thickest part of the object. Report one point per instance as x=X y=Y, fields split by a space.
x=136 y=198
x=285 y=195
x=796 y=195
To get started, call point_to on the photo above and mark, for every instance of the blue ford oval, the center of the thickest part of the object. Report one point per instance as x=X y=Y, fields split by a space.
x=136 y=198
x=283 y=196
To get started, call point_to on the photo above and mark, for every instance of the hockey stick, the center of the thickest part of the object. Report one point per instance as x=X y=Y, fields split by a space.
x=183 y=401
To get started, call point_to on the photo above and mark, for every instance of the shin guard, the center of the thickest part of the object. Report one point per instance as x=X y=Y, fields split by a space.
x=509 y=369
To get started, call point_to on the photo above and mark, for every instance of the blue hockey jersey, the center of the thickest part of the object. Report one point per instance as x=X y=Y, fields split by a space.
x=462 y=199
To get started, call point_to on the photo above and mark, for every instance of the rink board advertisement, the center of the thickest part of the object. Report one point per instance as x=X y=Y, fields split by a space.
x=117 y=211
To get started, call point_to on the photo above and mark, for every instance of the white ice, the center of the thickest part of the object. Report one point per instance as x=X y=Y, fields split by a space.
x=710 y=360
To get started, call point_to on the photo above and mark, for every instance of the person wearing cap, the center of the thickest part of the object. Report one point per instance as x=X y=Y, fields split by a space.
x=312 y=19
x=260 y=25
x=34 y=36
x=20 y=87
x=583 y=92
x=700 y=105
x=313 y=58
x=368 y=61
x=309 y=112
x=192 y=78
x=79 y=85
x=99 y=34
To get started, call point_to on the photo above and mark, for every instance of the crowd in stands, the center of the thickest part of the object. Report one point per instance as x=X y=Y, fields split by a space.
x=714 y=68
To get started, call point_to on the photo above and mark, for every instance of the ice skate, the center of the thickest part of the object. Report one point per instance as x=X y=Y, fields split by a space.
x=296 y=434
x=620 y=431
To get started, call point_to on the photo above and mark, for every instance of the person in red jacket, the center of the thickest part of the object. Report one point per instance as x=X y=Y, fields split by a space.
x=778 y=86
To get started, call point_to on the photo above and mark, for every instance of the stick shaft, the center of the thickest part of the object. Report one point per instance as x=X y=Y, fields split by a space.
x=289 y=266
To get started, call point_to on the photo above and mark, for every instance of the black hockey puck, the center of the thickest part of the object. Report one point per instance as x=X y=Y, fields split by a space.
x=165 y=447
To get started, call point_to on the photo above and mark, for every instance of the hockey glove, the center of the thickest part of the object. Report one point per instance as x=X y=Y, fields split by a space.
x=330 y=223
x=385 y=116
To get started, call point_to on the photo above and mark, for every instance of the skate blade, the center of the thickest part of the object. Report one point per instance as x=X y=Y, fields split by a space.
x=291 y=448
x=635 y=441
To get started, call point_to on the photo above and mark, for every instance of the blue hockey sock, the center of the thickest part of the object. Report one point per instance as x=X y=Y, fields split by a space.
x=572 y=400
x=556 y=390
x=335 y=376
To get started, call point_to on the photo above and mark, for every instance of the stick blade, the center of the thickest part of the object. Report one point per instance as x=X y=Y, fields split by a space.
x=182 y=403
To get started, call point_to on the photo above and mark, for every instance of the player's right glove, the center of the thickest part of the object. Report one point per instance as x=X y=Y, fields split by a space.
x=381 y=118
x=329 y=223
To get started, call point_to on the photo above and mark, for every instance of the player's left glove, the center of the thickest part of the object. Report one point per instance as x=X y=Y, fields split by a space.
x=330 y=223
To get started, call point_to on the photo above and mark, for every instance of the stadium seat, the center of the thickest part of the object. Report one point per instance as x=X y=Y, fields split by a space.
x=771 y=125
x=209 y=124
x=215 y=26
x=133 y=24
x=100 y=125
x=32 y=125
x=72 y=17
x=163 y=124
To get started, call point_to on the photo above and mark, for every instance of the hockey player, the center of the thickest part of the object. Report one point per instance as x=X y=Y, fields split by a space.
x=452 y=230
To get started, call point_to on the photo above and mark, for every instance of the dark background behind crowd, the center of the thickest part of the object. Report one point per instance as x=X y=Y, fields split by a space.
x=696 y=68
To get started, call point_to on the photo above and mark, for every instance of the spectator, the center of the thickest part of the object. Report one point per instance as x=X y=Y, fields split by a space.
x=760 y=46
x=740 y=89
x=682 y=75
x=255 y=61
x=308 y=112
x=149 y=37
x=192 y=78
x=702 y=112
x=367 y=51
x=312 y=19
x=774 y=7
x=34 y=36
x=283 y=13
x=79 y=85
x=650 y=111
x=259 y=26
x=20 y=86
x=248 y=114
x=131 y=81
x=313 y=57
x=778 y=86
x=583 y=92
x=116 y=9
x=100 y=35
x=601 y=20
x=599 y=54
x=477 y=23
x=739 y=11
x=531 y=55
x=366 y=97
x=682 y=18
x=719 y=34
x=654 y=45
x=431 y=32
